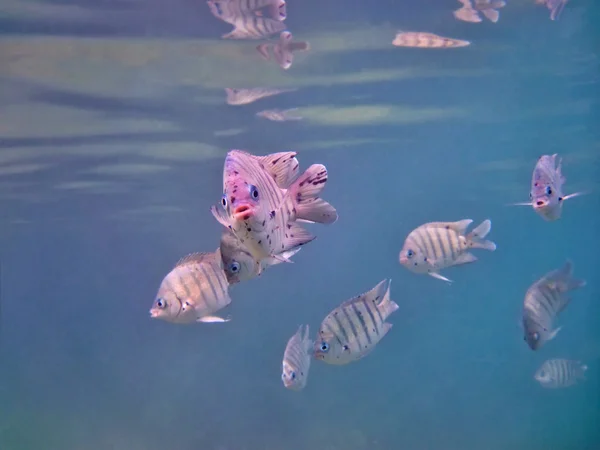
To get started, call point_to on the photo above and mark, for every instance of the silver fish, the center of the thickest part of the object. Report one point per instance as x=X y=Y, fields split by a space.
x=437 y=245
x=283 y=51
x=239 y=264
x=261 y=205
x=279 y=115
x=544 y=300
x=193 y=291
x=469 y=12
x=560 y=373
x=296 y=360
x=419 y=39
x=546 y=194
x=353 y=329
x=246 y=96
x=229 y=10
x=555 y=6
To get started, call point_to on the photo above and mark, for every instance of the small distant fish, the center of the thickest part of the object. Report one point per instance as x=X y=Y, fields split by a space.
x=283 y=51
x=296 y=360
x=246 y=96
x=546 y=192
x=560 y=373
x=228 y=10
x=426 y=40
x=279 y=115
x=239 y=264
x=544 y=300
x=353 y=329
x=437 y=245
x=555 y=6
x=193 y=291
x=469 y=12
x=262 y=203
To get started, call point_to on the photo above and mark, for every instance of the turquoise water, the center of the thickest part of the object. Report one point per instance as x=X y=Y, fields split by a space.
x=113 y=132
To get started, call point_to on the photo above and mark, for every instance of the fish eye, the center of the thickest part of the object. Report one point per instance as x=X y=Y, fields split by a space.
x=548 y=190
x=293 y=375
x=324 y=346
x=161 y=303
x=234 y=267
x=253 y=191
x=410 y=254
x=224 y=201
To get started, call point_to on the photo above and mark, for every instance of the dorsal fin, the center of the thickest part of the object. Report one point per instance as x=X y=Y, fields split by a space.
x=376 y=294
x=283 y=167
x=197 y=257
x=460 y=227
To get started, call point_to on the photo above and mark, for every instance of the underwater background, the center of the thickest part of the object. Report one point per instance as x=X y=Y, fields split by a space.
x=113 y=133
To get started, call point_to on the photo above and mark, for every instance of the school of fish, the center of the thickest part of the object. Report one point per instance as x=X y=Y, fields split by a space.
x=267 y=199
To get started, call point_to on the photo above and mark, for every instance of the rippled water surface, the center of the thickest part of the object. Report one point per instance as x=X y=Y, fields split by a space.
x=113 y=131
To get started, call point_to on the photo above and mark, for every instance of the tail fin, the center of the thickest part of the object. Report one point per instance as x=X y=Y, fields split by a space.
x=491 y=14
x=302 y=46
x=476 y=236
x=387 y=305
x=304 y=194
x=563 y=278
x=556 y=7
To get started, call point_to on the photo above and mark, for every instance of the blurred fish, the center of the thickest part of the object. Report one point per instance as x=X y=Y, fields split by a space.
x=353 y=329
x=228 y=10
x=279 y=115
x=426 y=40
x=560 y=373
x=239 y=264
x=193 y=291
x=296 y=360
x=246 y=96
x=261 y=204
x=283 y=51
x=469 y=12
x=253 y=27
x=436 y=245
x=546 y=193
x=544 y=300
x=555 y=6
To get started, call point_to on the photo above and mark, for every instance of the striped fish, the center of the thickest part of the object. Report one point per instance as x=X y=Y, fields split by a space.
x=283 y=51
x=239 y=264
x=560 y=373
x=193 y=291
x=437 y=245
x=228 y=10
x=546 y=194
x=253 y=27
x=261 y=204
x=544 y=300
x=353 y=329
x=250 y=95
x=296 y=360
x=469 y=12
x=419 y=39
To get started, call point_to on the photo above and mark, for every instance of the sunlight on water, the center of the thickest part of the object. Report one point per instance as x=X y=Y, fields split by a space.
x=116 y=119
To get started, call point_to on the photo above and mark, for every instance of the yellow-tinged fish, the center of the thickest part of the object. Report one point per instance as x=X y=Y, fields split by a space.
x=546 y=194
x=239 y=264
x=279 y=115
x=283 y=51
x=353 y=329
x=193 y=291
x=262 y=203
x=246 y=96
x=544 y=300
x=560 y=373
x=296 y=360
x=420 y=39
x=436 y=245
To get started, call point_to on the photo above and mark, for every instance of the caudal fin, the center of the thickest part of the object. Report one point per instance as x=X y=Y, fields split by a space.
x=491 y=14
x=476 y=236
x=563 y=278
x=304 y=193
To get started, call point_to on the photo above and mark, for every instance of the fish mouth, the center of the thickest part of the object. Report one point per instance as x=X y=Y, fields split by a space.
x=153 y=313
x=540 y=204
x=403 y=260
x=243 y=212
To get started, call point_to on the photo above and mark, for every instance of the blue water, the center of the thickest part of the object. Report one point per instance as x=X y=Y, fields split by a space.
x=113 y=132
